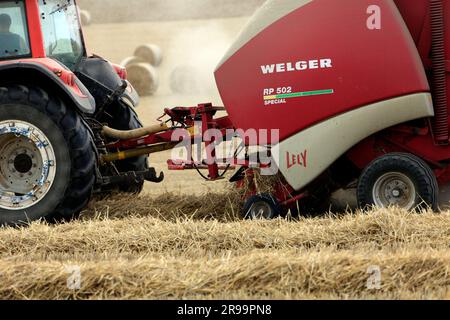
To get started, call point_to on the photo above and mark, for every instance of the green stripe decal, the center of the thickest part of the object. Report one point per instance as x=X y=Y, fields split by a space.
x=299 y=94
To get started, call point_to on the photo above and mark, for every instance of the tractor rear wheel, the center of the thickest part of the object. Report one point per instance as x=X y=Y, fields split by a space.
x=398 y=179
x=47 y=160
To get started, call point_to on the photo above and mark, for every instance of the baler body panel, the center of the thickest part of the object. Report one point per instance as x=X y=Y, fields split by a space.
x=416 y=16
x=307 y=154
x=318 y=61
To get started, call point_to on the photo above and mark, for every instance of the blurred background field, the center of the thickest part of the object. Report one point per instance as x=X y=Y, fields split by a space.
x=185 y=41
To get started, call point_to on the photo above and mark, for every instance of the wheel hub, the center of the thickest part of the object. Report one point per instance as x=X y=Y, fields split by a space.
x=23 y=163
x=394 y=189
x=396 y=193
x=27 y=165
x=261 y=210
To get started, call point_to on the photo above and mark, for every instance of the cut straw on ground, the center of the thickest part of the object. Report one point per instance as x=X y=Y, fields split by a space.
x=176 y=247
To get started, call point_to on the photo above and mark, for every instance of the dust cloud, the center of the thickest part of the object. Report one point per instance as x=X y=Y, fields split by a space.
x=193 y=35
x=119 y=11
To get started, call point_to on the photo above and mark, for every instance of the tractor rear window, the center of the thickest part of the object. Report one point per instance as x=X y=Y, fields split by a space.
x=62 y=32
x=14 y=41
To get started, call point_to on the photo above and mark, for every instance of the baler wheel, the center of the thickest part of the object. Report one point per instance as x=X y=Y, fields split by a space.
x=400 y=180
x=262 y=207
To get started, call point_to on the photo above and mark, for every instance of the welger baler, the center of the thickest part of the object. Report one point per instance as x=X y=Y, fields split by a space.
x=356 y=88
x=341 y=89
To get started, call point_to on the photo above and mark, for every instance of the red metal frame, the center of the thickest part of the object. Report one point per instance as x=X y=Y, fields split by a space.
x=187 y=118
x=204 y=113
x=417 y=141
x=35 y=31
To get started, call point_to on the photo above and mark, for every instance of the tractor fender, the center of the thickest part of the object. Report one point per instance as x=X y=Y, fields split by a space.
x=39 y=74
x=130 y=95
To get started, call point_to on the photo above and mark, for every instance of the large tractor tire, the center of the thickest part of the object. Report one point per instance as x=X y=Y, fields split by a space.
x=47 y=160
x=123 y=117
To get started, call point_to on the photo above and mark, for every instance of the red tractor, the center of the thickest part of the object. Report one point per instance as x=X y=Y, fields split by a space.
x=357 y=91
x=52 y=99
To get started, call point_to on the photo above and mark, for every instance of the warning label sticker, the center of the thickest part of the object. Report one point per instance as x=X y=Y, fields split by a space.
x=273 y=97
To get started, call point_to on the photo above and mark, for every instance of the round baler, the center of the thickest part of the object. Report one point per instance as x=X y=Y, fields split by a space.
x=344 y=94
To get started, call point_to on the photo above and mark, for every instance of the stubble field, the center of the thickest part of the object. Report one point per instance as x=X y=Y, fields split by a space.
x=175 y=247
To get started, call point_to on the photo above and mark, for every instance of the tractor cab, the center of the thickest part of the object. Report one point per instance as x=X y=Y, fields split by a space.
x=49 y=32
x=60 y=28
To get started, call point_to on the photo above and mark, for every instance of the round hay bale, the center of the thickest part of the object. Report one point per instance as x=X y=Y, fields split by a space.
x=131 y=60
x=85 y=17
x=150 y=53
x=184 y=79
x=144 y=78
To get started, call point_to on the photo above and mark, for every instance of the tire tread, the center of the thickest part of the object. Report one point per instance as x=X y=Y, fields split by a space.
x=76 y=134
x=426 y=180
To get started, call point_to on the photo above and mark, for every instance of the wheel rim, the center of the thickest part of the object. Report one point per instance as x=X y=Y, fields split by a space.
x=394 y=189
x=261 y=210
x=27 y=165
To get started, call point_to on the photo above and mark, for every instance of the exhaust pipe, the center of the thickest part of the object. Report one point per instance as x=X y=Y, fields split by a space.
x=133 y=134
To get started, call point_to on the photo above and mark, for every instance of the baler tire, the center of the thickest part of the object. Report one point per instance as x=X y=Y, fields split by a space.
x=74 y=152
x=265 y=199
x=414 y=168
